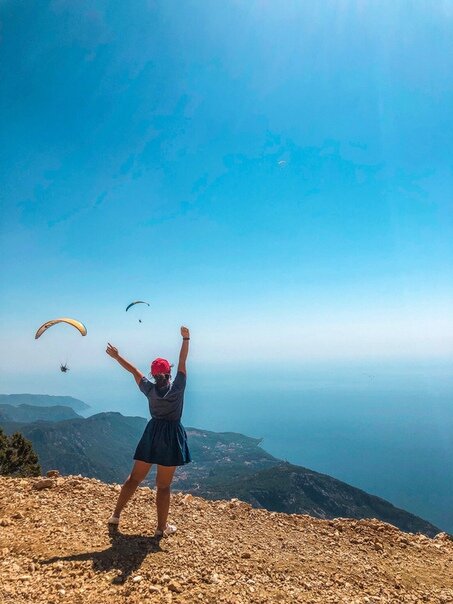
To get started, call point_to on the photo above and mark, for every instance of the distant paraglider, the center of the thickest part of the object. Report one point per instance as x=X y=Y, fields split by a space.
x=369 y=375
x=77 y=324
x=282 y=162
x=134 y=303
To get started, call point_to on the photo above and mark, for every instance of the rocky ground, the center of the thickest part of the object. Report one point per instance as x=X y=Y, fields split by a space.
x=55 y=546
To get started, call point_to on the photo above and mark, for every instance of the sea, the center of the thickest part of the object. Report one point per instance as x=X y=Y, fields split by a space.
x=384 y=428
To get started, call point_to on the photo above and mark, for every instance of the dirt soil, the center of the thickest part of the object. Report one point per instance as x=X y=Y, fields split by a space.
x=55 y=546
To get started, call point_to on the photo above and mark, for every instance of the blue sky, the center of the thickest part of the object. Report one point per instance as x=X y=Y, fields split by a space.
x=275 y=175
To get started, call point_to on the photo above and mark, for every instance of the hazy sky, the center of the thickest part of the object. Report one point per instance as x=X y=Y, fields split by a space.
x=276 y=175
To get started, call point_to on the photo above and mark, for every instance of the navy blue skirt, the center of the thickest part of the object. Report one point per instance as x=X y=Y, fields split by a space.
x=163 y=442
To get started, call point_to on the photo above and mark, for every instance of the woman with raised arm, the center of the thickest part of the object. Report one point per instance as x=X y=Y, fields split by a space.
x=164 y=441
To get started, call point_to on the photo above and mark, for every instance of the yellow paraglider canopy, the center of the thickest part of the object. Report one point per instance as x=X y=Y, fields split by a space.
x=77 y=324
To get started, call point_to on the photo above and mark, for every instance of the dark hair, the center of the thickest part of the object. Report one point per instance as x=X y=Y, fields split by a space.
x=162 y=380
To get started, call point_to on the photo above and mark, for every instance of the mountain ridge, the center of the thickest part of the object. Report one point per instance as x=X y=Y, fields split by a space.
x=25 y=413
x=44 y=400
x=224 y=465
x=291 y=489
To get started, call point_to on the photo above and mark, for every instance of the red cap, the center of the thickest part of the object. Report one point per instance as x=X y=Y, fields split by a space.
x=160 y=366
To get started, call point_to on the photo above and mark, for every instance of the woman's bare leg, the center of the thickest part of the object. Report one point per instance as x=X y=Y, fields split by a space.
x=139 y=472
x=164 y=477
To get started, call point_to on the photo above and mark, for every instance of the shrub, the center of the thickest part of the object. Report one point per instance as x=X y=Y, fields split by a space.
x=17 y=457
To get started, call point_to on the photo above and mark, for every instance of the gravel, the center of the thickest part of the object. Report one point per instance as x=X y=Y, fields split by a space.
x=55 y=547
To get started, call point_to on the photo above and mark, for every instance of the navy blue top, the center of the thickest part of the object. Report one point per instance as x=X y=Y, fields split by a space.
x=165 y=403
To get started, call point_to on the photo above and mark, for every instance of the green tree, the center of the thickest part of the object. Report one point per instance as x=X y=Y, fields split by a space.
x=17 y=457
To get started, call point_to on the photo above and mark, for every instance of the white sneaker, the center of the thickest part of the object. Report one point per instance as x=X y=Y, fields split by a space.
x=113 y=520
x=170 y=529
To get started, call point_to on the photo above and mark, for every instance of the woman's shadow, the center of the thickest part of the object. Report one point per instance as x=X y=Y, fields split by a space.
x=126 y=554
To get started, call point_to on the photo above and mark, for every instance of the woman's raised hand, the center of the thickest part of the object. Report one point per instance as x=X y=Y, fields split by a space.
x=112 y=351
x=185 y=332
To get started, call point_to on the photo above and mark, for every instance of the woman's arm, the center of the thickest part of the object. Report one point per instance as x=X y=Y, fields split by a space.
x=184 y=350
x=113 y=352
